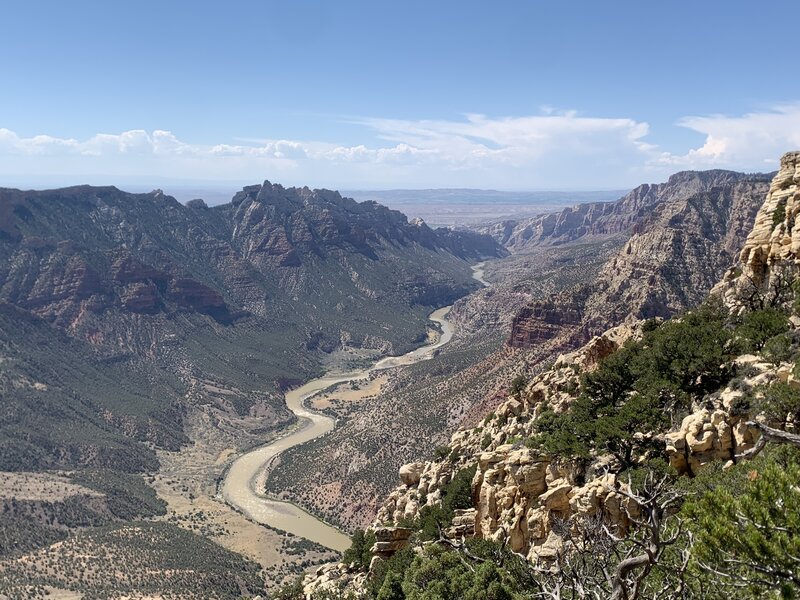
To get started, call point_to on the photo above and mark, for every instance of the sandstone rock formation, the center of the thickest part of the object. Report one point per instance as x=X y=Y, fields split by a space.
x=771 y=252
x=518 y=491
x=389 y=541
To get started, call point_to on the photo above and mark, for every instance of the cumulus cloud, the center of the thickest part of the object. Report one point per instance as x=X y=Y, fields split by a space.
x=751 y=141
x=552 y=149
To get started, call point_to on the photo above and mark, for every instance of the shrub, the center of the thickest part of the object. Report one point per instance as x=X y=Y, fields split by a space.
x=779 y=214
x=517 y=385
x=458 y=493
x=289 y=591
x=443 y=573
x=741 y=405
x=383 y=580
x=781 y=404
x=758 y=326
x=360 y=551
x=641 y=388
x=441 y=452
x=778 y=349
x=751 y=536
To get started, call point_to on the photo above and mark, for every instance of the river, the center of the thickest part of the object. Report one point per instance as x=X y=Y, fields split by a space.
x=478 y=273
x=247 y=475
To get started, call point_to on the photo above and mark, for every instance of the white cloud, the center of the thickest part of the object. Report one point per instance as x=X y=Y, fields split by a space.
x=553 y=149
x=479 y=135
x=751 y=141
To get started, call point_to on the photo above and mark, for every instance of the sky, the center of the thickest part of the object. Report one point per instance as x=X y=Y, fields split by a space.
x=523 y=95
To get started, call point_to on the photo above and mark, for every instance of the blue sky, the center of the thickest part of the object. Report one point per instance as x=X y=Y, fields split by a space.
x=506 y=95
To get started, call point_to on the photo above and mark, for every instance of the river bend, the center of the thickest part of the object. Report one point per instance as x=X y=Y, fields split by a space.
x=248 y=473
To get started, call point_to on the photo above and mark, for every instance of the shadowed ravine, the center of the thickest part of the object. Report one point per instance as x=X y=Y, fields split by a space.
x=247 y=476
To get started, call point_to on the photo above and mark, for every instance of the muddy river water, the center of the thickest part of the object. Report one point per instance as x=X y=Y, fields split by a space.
x=246 y=477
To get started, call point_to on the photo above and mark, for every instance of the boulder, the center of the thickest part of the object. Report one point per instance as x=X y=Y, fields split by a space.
x=410 y=473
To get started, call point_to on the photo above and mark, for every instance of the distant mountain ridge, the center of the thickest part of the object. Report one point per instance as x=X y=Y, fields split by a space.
x=246 y=295
x=679 y=237
x=608 y=218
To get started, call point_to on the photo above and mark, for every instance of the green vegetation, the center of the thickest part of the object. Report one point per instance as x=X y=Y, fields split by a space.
x=781 y=404
x=758 y=327
x=360 y=551
x=779 y=214
x=387 y=579
x=157 y=558
x=27 y=525
x=128 y=497
x=290 y=591
x=642 y=388
x=442 y=573
x=75 y=410
x=778 y=349
x=441 y=452
x=517 y=385
x=750 y=535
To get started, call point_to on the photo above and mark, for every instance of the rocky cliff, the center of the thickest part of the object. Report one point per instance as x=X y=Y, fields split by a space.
x=683 y=235
x=771 y=253
x=516 y=491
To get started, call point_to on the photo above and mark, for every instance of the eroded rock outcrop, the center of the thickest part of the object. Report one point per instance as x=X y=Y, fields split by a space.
x=517 y=492
x=522 y=494
x=333 y=578
x=771 y=252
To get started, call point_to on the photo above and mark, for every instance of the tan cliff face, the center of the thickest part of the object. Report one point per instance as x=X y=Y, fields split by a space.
x=771 y=252
x=769 y=244
x=518 y=493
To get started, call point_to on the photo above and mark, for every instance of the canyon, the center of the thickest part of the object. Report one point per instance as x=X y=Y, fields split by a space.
x=221 y=313
x=656 y=251
x=501 y=482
